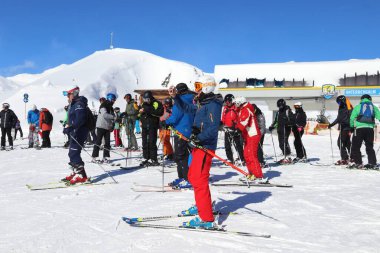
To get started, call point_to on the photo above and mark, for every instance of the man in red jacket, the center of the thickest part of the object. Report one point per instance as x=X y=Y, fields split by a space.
x=247 y=123
x=45 y=124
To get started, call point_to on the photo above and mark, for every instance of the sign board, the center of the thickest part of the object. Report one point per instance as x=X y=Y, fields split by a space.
x=360 y=92
x=328 y=91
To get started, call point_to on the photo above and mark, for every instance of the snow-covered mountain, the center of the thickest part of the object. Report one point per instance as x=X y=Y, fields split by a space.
x=117 y=70
x=7 y=88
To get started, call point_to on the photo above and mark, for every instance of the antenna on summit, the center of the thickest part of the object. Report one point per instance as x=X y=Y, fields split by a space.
x=111 y=44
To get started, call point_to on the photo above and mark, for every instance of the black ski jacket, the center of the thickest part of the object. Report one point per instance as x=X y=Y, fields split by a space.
x=284 y=118
x=150 y=118
x=343 y=118
x=300 y=118
x=8 y=119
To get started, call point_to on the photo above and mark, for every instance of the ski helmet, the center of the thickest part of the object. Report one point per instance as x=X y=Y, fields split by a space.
x=74 y=90
x=111 y=97
x=168 y=102
x=366 y=96
x=281 y=103
x=147 y=97
x=181 y=88
x=6 y=106
x=239 y=101
x=206 y=84
x=102 y=99
x=34 y=107
x=341 y=99
x=229 y=98
x=129 y=96
x=298 y=105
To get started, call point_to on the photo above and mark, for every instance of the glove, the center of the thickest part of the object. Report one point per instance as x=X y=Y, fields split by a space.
x=271 y=128
x=329 y=126
x=195 y=131
x=194 y=141
x=68 y=130
x=299 y=129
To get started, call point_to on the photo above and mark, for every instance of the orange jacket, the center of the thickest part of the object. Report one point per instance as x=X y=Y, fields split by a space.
x=43 y=126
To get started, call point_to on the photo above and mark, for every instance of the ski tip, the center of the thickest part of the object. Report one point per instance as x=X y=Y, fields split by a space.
x=130 y=220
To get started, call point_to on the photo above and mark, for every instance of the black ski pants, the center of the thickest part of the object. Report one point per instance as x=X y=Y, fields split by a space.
x=102 y=133
x=298 y=144
x=181 y=157
x=344 y=144
x=6 y=132
x=149 y=143
x=46 y=139
x=19 y=130
x=366 y=135
x=260 y=152
x=232 y=139
x=283 y=139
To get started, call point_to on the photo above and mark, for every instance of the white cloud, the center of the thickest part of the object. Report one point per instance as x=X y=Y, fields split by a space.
x=17 y=69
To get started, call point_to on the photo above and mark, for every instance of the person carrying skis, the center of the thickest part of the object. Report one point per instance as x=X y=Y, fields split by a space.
x=117 y=127
x=261 y=122
x=164 y=132
x=298 y=131
x=362 y=122
x=343 y=119
x=204 y=133
x=130 y=114
x=8 y=120
x=18 y=129
x=33 y=121
x=45 y=124
x=232 y=136
x=248 y=125
x=104 y=127
x=181 y=121
x=150 y=113
x=283 y=123
x=77 y=131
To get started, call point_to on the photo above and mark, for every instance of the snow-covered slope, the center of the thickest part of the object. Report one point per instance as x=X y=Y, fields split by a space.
x=7 y=88
x=117 y=70
x=327 y=72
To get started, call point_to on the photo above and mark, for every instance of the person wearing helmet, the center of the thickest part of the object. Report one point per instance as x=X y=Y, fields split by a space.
x=232 y=136
x=164 y=132
x=33 y=121
x=343 y=119
x=362 y=121
x=298 y=131
x=77 y=131
x=283 y=122
x=117 y=127
x=130 y=114
x=104 y=126
x=150 y=113
x=248 y=125
x=181 y=121
x=7 y=120
x=205 y=128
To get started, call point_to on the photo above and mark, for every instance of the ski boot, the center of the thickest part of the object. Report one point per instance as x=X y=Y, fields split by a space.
x=341 y=162
x=11 y=148
x=80 y=175
x=106 y=160
x=145 y=163
x=2 y=148
x=175 y=182
x=193 y=210
x=264 y=165
x=371 y=167
x=154 y=163
x=285 y=161
x=198 y=223
x=183 y=185
x=355 y=166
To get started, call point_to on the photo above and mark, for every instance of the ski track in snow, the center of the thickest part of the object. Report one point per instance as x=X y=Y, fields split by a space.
x=329 y=209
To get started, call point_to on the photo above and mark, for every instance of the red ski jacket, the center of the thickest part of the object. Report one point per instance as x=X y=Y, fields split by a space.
x=230 y=116
x=247 y=121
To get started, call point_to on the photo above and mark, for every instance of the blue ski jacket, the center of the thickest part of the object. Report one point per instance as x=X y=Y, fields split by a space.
x=34 y=117
x=181 y=120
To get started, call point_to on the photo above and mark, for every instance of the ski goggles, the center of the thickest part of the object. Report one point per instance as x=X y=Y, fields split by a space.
x=198 y=86
x=65 y=93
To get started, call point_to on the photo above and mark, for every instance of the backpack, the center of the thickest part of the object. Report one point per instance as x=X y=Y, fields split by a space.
x=48 y=118
x=90 y=121
x=366 y=114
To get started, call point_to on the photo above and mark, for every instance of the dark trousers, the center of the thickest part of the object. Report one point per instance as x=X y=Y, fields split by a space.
x=283 y=140
x=233 y=140
x=298 y=145
x=181 y=157
x=18 y=130
x=6 y=132
x=76 y=146
x=100 y=134
x=149 y=140
x=260 y=152
x=344 y=144
x=366 y=135
x=46 y=139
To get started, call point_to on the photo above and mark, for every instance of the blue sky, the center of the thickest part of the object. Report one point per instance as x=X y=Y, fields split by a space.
x=39 y=34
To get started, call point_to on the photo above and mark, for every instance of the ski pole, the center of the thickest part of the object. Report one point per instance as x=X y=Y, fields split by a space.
x=332 y=152
x=274 y=148
x=91 y=156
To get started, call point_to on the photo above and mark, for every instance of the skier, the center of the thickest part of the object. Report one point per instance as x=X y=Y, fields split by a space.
x=150 y=113
x=117 y=127
x=131 y=112
x=77 y=131
x=232 y=136
x=298 y=131
x=261 y=121
x=204 y=133
x=104 y=127
x=45 y=124
x=8 y=120
x=283 y=121
x=343 y=119
x=248 y=125
x=164 y=132
x=362 y=121
x=33 y=121
x=18 y=129
x=181 y=121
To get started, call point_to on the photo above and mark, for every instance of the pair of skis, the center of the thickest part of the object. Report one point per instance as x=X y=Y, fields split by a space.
x=61 y=184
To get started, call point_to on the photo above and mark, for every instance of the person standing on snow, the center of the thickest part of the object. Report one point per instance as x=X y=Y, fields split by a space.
x=18 y=129
x=232 y=136
x=298 y=131
x=248 y=125
x=261 y=121
x=181 y=121
x=45 y=124
x=343 y=119
x=164 y=132
x=77 y=130
x=33 y=121
x=205 y=133
x=362 y=122
x=104 y=127
x=118 y=126
x=64 y=123
x=130 y=114
x=283 y=123
x=150 y=113
x=7 y=120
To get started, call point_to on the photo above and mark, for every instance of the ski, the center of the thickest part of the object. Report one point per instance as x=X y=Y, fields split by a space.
x=233 y=183
x=215 y=230
x=155 y=189
x=60 y=185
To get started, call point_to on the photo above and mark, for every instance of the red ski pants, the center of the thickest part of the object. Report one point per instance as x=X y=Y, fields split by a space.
x=199 y=174
x=116 y=134
x=250 y=155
